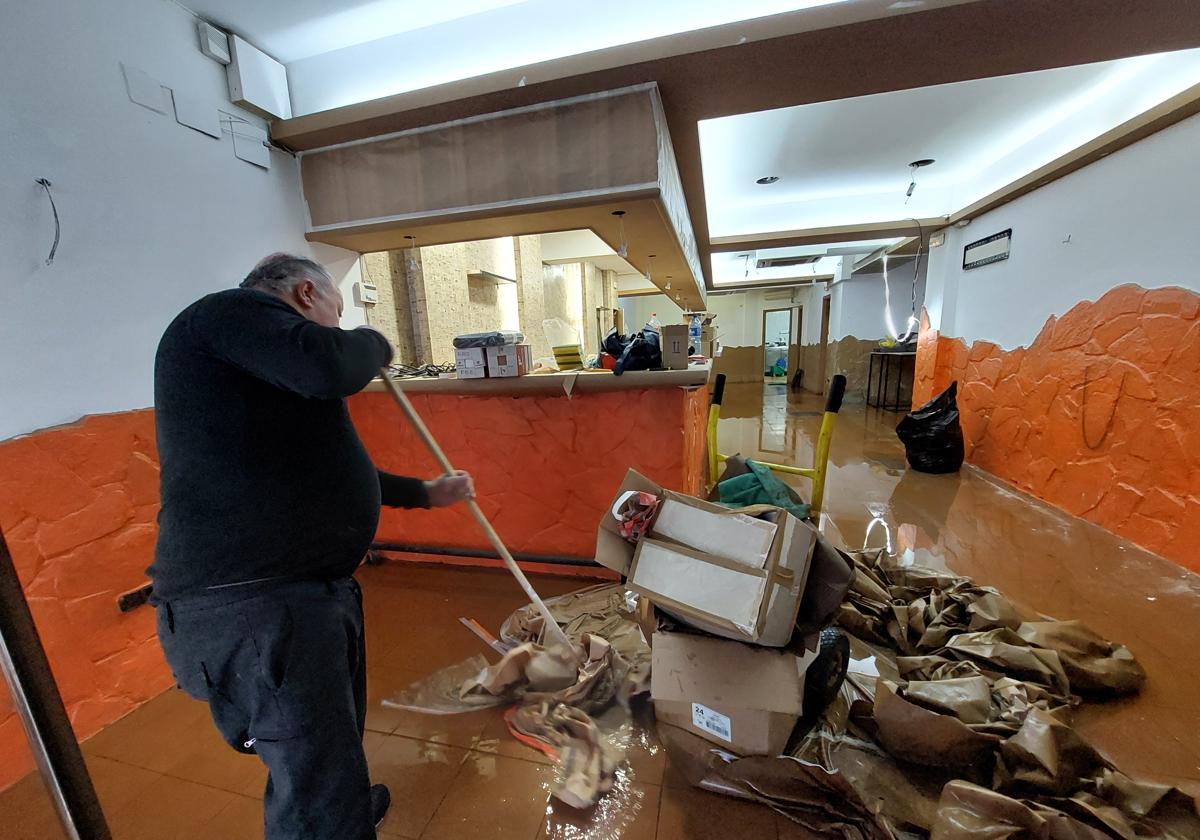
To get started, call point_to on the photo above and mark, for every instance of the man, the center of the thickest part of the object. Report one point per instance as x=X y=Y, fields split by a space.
x=269 y=502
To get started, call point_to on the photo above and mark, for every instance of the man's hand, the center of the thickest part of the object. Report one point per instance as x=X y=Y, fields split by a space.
x=448 y=489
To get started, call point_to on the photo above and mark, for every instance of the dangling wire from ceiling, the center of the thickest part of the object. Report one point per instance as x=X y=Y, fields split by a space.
x=914 y=322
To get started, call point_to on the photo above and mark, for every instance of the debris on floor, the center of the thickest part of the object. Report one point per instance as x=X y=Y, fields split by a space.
x=964 y=734
x=556 y=692
x=952 y=722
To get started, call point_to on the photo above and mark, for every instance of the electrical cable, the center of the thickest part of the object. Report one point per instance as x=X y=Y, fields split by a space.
x=57 y=225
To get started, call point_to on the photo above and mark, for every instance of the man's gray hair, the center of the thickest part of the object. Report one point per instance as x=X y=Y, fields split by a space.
x=279 y=273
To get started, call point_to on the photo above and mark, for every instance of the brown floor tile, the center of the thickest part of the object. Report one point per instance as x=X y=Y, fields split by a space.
x=155 y=735
x=418 y=773
x=629 y=812
x=241 y=819
x=693 y=814
x=117 y=784
x=208 y=760
x=171 y=809
x=27 y=812
x=494 y=797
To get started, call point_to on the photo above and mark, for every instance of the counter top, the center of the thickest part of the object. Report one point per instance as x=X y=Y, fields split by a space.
x=567 y=382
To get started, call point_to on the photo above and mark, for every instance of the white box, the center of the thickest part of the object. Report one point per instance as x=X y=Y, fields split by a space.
x=509 y=360
x=471 y=362
x=731 y=536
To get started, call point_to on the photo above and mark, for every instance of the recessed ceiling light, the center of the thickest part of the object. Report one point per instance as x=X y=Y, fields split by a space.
x=767 y=179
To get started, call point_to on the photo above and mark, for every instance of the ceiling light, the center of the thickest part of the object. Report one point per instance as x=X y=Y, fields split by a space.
x=767 y=179
x=912 y=182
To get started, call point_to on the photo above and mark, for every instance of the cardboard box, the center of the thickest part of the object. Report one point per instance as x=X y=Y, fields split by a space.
x=509 y=360
x=675 y=347
x=743 y=698
x=710 y=582
x=471 y=362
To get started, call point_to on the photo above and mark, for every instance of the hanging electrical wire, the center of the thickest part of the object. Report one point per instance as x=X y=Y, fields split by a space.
x=914 y=322
x=57 y=225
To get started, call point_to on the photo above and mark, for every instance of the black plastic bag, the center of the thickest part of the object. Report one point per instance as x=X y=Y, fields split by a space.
x=932 y=435
x=644 y=352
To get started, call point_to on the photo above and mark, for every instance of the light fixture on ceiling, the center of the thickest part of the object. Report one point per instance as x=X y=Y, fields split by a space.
x=650 y=269
x=767 y=179
x=668 y=282
x=745 y=265
x=411 y=257
x=912 y=182
x=623 y=248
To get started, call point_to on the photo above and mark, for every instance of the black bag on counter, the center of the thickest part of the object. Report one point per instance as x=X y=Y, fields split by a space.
x=644 y=352
x=932 y=435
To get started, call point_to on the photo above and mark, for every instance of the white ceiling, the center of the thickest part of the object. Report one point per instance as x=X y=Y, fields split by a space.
x=291 y=30
x=846 y=162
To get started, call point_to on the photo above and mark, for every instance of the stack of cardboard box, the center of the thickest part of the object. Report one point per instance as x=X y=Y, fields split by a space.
x=493 y=362
x=733 y=583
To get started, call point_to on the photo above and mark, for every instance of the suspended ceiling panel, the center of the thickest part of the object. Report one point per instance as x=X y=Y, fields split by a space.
x=556 y=166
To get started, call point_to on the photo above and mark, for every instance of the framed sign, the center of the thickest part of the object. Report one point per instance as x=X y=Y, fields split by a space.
x=989 y=250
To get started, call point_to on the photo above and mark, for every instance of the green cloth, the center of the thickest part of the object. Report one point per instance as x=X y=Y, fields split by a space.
x=760 y=487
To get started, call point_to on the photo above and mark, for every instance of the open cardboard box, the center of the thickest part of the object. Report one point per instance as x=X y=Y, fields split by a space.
x=721 y=571
x=741 y=697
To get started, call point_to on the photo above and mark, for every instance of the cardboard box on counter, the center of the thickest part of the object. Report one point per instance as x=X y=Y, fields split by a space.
x=727 y=573
x=675 y=347
x=471 y=362
x=744 y=698
x=509 y=360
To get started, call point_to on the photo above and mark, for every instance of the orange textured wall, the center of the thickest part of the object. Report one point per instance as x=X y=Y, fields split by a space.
x=78 y=506
x=546 y=467
x=1100 y=415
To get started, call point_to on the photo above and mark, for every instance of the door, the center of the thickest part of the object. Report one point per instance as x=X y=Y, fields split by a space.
x=824 y=341
x=776 y=342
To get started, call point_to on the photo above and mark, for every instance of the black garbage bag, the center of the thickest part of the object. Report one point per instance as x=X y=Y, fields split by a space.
x=932 y=435
x=614 y=343
x=644 y=352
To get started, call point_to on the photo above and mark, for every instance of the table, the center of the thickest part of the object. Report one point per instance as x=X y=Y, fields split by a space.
x=877 y=388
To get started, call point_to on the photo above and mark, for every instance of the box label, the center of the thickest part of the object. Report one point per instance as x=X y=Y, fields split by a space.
x=712 y=722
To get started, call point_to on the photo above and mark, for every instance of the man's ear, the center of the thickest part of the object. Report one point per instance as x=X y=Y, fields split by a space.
x=305 y=294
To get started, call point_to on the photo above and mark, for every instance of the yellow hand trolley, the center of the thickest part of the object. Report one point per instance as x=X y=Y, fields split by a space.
x=816 y=473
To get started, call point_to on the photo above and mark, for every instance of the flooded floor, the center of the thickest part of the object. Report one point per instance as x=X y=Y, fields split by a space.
x=162 y=772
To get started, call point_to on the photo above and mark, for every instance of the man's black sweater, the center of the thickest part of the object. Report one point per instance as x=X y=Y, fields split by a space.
x=263 y=474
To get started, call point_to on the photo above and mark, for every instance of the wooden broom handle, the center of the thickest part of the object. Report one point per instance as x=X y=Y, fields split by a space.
x=552 y=628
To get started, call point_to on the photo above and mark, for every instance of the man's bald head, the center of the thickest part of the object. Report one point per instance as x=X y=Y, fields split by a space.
x=302 y=283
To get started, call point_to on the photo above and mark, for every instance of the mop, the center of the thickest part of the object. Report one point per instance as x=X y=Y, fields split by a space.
x=554 y=632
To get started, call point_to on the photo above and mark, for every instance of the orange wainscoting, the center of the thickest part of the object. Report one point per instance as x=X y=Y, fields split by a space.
x=1100 y=415
x=77 y=505
x=546 y=467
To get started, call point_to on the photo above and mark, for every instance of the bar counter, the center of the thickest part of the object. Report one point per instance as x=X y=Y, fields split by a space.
x=548 y=451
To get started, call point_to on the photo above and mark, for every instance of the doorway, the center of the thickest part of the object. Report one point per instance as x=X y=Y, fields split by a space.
x=824 y=342
x=776 y=344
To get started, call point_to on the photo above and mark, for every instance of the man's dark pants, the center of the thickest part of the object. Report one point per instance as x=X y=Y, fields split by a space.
x=281 y=666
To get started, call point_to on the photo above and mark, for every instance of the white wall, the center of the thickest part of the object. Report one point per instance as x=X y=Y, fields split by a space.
x=154 y=214
x=1130 y=218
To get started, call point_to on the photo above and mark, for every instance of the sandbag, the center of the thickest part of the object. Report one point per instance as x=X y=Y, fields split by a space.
x=932 y=435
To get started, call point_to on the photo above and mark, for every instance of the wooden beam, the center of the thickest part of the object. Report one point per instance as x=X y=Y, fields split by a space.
x=826 y=235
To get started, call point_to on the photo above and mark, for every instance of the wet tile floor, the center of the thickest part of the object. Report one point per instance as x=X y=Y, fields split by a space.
x=162 y=772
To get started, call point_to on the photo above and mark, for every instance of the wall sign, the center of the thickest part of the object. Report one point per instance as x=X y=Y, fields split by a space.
x=989 y=250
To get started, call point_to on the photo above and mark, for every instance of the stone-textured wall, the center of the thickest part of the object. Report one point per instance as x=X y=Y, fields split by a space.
x=393 y=314
x=1100 y=415
x=546 y=467
x=452 y=304
x=851 y=357
x=562 y=294
x=530 y=300
x=78 y=506
x=599 y=299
